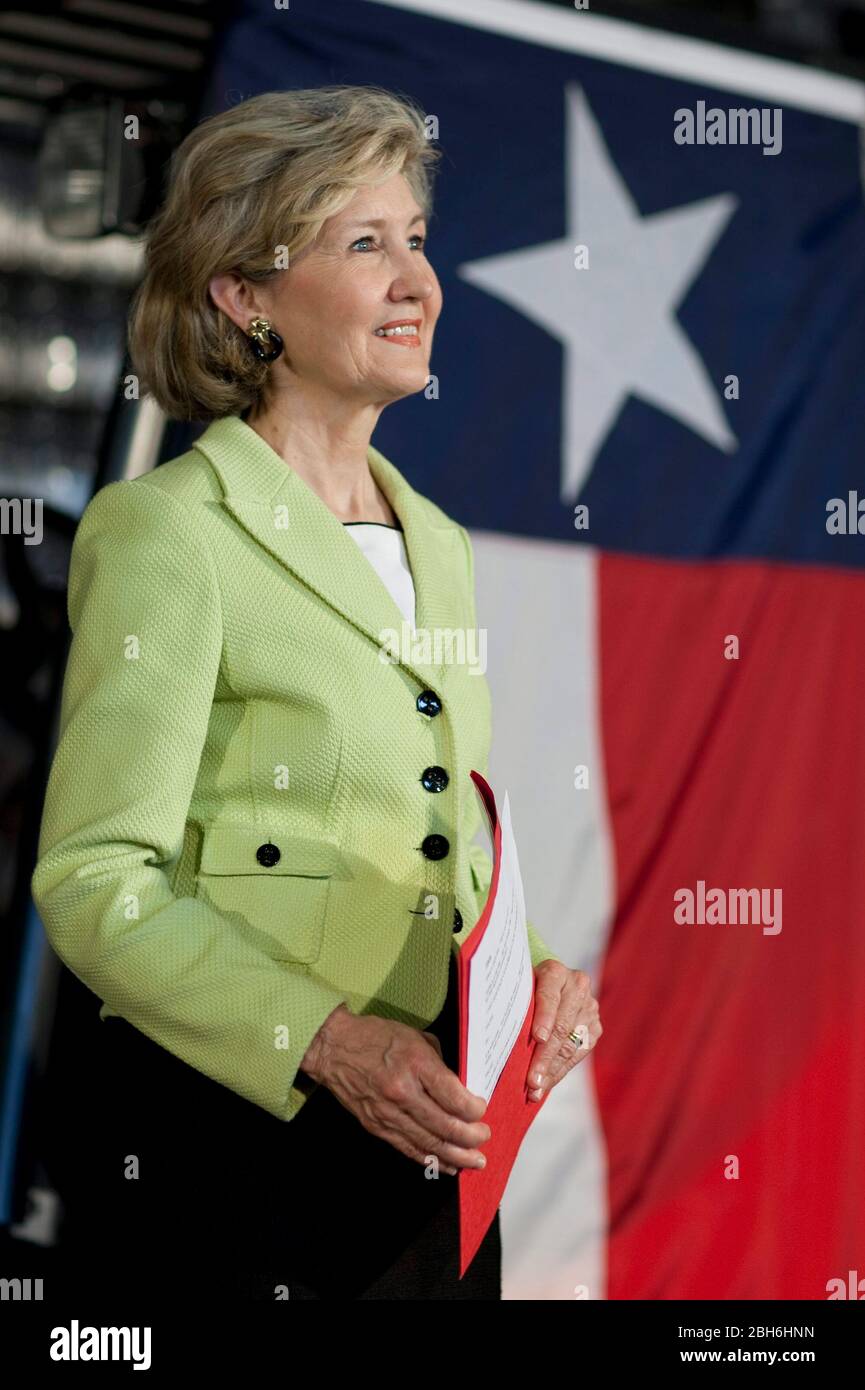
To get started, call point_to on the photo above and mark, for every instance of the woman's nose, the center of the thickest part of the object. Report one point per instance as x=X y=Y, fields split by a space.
x=413 y=282
x=415 y=291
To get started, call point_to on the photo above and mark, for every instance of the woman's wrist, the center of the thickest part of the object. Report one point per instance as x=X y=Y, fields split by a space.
x=314 y=1061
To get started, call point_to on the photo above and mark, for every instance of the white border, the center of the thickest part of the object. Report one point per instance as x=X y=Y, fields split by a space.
x=652 y=50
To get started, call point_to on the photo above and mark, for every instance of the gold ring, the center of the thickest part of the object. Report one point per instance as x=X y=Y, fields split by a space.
x=575 y=1039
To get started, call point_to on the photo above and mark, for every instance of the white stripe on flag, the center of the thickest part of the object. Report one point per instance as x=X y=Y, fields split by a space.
x=756 y=75
x=537 y=601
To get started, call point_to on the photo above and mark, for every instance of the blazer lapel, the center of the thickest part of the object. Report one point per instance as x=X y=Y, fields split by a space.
x=283 y=513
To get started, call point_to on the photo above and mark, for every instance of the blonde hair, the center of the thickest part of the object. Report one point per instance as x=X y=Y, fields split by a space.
x=264 y=174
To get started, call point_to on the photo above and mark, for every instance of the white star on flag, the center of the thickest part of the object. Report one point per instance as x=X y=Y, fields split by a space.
x=616 y=319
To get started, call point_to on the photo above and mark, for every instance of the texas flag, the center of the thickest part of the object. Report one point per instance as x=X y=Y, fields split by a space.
x=648 y=407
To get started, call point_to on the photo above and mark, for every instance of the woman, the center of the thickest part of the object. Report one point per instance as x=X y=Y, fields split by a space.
x=256 y=844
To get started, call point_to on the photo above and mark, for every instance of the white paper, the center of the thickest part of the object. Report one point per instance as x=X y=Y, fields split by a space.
x=501 y=981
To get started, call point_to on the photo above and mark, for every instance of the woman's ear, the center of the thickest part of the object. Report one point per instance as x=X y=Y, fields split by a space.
x=234 y=297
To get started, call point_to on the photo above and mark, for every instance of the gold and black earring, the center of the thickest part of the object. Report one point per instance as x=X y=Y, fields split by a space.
x=264 y=340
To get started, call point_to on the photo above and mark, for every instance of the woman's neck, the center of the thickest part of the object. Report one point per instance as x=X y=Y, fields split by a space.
x=332 y=459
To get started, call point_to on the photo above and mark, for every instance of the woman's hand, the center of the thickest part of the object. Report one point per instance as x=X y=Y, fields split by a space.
x=563 y=1004
x=392 y=1078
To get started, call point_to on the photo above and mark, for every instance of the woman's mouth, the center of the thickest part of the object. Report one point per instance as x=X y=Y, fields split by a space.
x=404 y=333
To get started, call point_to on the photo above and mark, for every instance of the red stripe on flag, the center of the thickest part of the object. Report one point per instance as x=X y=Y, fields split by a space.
x=723 y=1043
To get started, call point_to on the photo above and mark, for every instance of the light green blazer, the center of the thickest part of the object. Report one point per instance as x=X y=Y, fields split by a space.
x=225 y=692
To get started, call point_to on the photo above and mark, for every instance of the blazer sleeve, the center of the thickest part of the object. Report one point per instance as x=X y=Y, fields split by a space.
x=146 y=615
x=481 y=863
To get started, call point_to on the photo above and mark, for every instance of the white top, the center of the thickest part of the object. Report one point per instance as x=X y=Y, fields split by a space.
x=384 y=547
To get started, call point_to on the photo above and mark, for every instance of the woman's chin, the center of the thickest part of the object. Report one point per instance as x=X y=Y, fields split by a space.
x=407 y=382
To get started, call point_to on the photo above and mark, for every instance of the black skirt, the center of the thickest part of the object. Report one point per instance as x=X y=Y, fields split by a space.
x=231 y=1201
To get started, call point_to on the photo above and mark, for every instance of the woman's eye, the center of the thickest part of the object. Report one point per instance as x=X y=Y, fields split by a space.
x=417 y=237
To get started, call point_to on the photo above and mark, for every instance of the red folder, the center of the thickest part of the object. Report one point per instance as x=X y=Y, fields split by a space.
x=509 y=1112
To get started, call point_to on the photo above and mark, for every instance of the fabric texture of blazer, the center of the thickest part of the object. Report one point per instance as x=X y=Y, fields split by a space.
x=241 y=827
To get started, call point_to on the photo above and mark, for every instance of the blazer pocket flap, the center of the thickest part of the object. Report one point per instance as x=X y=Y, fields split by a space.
x=238 y=848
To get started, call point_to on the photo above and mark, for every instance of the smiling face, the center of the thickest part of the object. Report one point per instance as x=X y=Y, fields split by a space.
x=366 y=269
